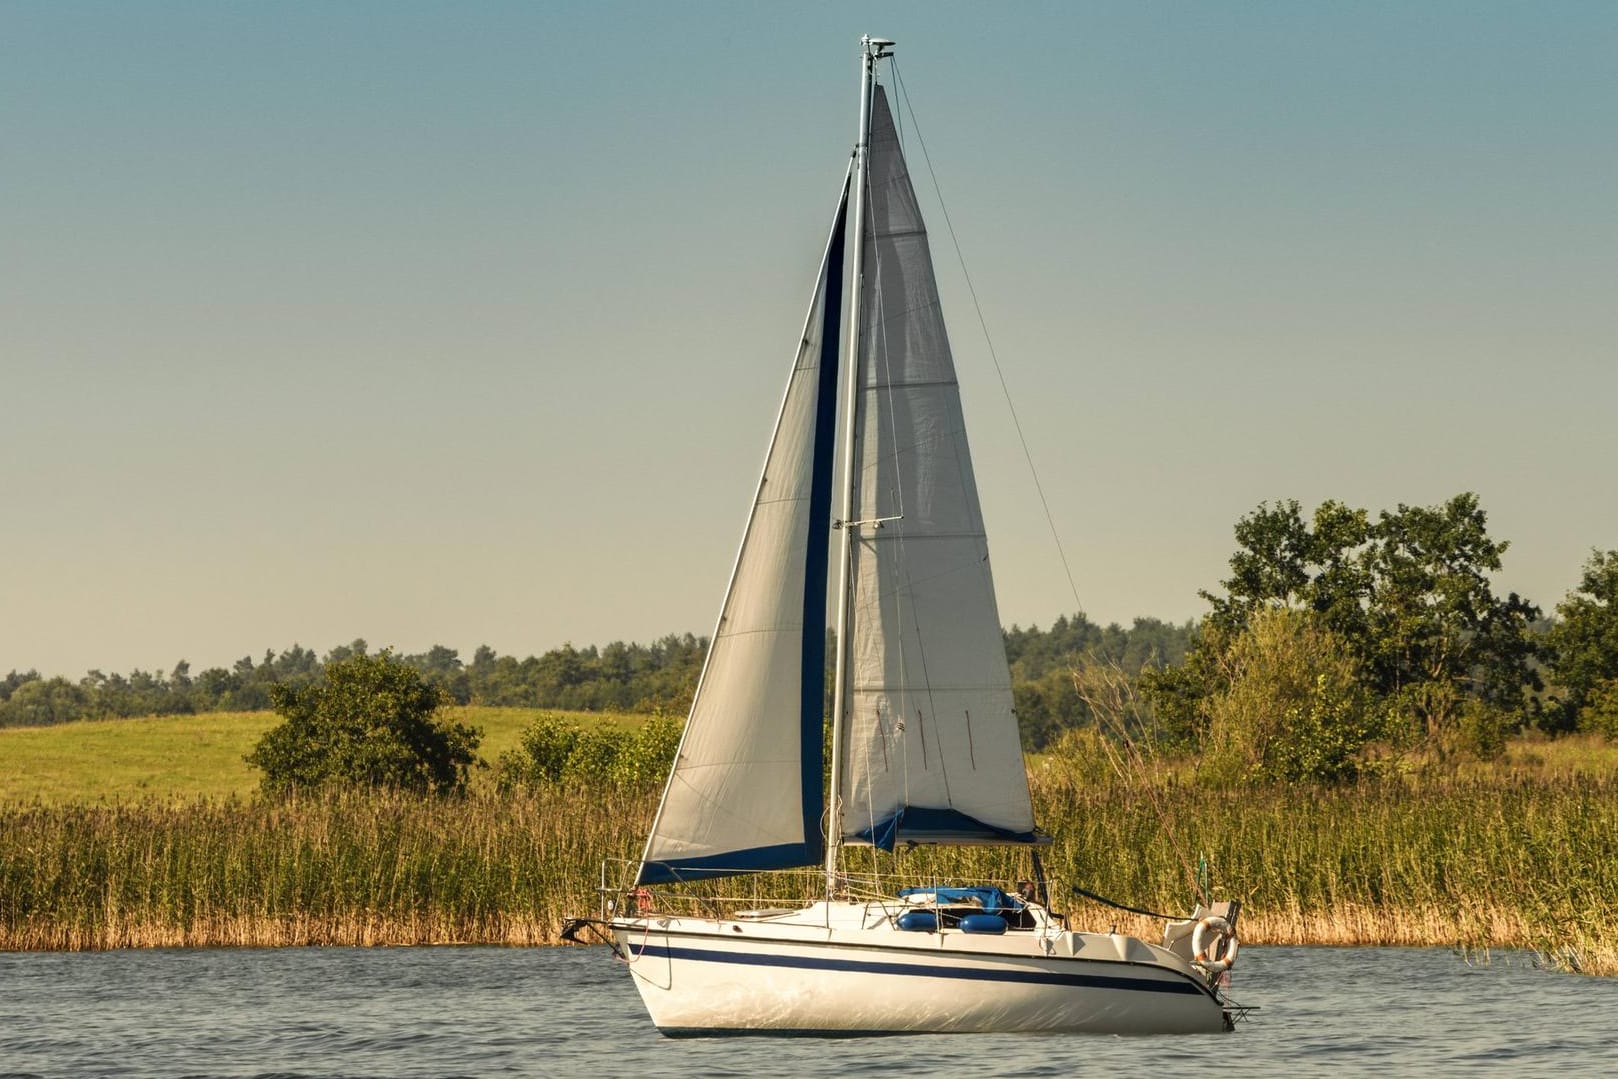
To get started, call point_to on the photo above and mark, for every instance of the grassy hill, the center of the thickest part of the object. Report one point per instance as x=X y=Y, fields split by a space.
x=186 y=757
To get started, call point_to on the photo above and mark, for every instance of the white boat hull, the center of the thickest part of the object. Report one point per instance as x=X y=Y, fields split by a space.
x=791 y=975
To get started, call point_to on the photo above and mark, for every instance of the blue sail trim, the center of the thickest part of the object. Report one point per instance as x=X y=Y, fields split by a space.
x=812 y=669
x=731 y=863
x=919 y=824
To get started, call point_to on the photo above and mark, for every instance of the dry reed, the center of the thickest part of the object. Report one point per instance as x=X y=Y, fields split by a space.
x=350 y=869
x=1479 y=864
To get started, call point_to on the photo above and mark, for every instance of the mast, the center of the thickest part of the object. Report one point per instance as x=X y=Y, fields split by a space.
x=871 y=50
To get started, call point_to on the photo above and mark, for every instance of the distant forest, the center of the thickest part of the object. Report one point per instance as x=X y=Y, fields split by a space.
x=656 y=677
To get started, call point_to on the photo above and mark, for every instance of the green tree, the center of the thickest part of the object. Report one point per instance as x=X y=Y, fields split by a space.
x=11 y=682
x=357 y=647
x=1294 y=706
x=371 y=722
x=1599 y=712
x=38 y=702
x=1048 y=706
x=644 y=763
x=1285 y=561
x=443 y=668
x=1439 y=636
x=1583 y=647
x=1048 y=666
x=1408 y=596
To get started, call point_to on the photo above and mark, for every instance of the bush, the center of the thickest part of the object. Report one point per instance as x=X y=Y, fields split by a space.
x=1080 y=759
x=1296 y=707
x=554 y=751
x=1481 y=729
x=643 y=762
x=541 y=757
x=369 y=723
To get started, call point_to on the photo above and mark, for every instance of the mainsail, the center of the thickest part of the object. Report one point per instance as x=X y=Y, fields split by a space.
x=930 y=746
x=746 y=791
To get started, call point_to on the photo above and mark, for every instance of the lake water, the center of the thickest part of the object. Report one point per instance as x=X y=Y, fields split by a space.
x=430 y=1012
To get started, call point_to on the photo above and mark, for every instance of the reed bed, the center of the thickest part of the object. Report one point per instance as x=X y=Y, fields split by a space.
x=341 y=869
x=1513 y=863
x=1501 y=862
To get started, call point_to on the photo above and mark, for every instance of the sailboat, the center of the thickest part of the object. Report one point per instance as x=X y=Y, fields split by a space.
x=924 y=742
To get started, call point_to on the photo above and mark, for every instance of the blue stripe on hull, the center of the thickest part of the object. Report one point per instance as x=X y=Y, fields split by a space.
x=861 y=966
x=782 y=1032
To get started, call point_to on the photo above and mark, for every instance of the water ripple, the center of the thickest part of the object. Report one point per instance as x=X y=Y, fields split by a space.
x=446 y=1012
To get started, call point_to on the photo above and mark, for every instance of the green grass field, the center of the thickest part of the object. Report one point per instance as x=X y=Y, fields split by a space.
x=181 y=758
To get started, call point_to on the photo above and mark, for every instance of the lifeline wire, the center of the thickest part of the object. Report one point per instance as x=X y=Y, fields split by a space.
x=1121 y=906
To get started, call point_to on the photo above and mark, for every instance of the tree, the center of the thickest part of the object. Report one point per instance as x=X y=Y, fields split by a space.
x=357 y=647
x=443 y=668
x=1048 y=666
x=13 y=681
x=215 y=686
x=1438 y=634
x=1285 y=561
x=370 y=722
x=1583 y=648
x=1047 y=706
x=38 y=702
x=1408 y=596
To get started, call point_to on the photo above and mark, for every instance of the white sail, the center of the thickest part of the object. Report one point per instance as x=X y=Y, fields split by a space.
x=930 y=748
x=746 y=791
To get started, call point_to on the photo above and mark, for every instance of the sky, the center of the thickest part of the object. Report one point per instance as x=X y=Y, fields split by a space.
x=466 y=324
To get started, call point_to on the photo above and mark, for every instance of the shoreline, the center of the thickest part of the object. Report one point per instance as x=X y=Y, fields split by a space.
x=1351 y=927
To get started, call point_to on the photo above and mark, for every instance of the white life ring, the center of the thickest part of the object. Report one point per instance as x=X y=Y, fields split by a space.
x=1202 y=948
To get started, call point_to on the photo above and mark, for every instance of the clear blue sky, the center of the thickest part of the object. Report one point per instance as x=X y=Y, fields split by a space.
x=466 y=323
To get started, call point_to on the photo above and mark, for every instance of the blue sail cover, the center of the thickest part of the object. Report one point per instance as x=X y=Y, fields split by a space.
x=990 y=898
x=746 y=791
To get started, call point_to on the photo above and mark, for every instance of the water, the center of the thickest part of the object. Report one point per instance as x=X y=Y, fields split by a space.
x=431 y=1012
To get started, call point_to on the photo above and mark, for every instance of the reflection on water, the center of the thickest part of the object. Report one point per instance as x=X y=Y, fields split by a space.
x=564 y=1012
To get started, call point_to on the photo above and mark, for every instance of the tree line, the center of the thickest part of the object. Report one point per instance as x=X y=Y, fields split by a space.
x=1045 y=687
x=656 y=677
x=617 y=677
